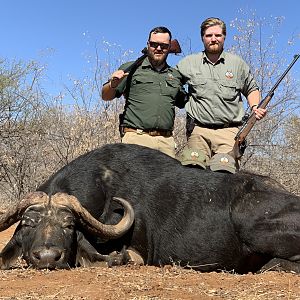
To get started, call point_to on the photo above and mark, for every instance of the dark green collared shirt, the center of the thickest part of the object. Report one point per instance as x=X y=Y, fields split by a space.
x=215 y=89
x=152 y=97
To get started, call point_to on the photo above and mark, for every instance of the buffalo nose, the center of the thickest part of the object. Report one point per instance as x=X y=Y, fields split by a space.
x=47 y=257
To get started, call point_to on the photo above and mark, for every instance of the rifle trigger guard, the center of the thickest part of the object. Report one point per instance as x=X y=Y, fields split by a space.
x=243 y=145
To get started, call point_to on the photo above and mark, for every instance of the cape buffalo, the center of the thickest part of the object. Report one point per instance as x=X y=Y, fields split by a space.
x=195 y=218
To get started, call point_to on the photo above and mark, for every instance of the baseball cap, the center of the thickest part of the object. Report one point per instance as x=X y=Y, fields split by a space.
x=193 y=157
x=223 y=162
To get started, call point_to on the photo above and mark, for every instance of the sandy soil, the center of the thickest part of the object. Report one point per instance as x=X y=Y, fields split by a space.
x=132 y=282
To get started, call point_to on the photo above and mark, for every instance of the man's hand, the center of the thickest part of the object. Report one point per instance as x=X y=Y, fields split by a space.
x=259 y=112
x=116 y=78
x=108 y=89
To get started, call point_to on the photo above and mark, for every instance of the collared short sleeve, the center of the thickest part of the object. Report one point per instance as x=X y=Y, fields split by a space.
x=120 y=89
x=248 y=82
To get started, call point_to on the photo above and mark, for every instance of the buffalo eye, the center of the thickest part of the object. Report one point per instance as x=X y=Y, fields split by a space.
x=68 y=224
x=32 y=216
x=68 y=229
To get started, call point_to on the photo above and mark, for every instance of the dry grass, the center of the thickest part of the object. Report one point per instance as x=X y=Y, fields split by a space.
x=132 y=282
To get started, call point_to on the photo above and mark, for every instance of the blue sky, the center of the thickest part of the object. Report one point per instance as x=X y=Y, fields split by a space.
x=60 y=33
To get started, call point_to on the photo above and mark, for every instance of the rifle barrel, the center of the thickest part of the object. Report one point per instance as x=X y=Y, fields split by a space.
x=247 y=126
x=282 y=76
x=136 y=63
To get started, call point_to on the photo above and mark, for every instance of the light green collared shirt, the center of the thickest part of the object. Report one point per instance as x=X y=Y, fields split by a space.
x=215 y=89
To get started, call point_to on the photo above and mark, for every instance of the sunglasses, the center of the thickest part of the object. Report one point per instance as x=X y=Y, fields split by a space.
x=155 y=45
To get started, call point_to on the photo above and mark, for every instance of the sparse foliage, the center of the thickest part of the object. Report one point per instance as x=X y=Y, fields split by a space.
x=255 y=40
x=39 y=134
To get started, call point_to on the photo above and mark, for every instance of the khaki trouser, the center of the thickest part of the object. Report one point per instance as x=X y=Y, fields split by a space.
x=161 y=143
x=212 y=141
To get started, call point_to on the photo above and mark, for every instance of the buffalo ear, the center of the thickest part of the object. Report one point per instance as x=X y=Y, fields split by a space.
x=86 y=254
x=11 y=252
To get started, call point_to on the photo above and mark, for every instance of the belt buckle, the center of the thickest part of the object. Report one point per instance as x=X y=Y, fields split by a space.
x=151 y=132
x=139 y=131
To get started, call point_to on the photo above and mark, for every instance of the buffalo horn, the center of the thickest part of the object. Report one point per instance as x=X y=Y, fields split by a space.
x=14 y=214
x=94 y=225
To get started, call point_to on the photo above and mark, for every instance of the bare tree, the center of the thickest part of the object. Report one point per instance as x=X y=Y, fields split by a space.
x=255 y=40
x=39 y=134
x=20 y=96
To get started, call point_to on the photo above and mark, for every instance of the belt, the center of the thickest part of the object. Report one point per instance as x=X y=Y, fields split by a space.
x=151 y=132
x=218 y=126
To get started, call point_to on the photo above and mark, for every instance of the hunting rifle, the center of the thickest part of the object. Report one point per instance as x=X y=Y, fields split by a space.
x=240 y=138
x=174 y=48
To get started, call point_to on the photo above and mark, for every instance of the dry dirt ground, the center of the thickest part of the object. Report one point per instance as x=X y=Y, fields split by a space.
x=132 y=282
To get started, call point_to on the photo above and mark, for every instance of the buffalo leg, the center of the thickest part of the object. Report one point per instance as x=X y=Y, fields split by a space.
x=279 y=264
x=125 y=256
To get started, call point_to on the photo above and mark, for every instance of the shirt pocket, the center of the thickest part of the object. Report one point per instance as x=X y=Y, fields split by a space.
x=141 y=85
x=198 y=86
x=230 y=90
x=171 y=88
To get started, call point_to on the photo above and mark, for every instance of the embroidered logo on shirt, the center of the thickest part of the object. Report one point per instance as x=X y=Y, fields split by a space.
x=170 y=76
x=229 y=75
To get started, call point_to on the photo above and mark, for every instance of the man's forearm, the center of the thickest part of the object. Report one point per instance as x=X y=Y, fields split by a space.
x=253 y=98
x=108 y=93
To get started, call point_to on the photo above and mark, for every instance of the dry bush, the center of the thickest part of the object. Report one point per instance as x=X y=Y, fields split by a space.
x=20 y=96
x=281 y=158
x=39 y=134
x=269 y=151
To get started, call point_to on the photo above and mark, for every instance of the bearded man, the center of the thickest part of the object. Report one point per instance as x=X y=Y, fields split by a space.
x=216 y=82
x=151 y=91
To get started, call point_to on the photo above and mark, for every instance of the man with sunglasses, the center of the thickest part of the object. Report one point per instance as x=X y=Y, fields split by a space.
x=152 y=91
x=216 y=82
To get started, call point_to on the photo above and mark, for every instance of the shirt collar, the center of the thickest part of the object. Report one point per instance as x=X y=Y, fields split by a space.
x=220 y=60
x=146 y=64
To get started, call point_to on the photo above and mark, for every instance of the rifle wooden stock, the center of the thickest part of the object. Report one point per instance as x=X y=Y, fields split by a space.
x=247 y=126
x=240 y=137
x=175 y=47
